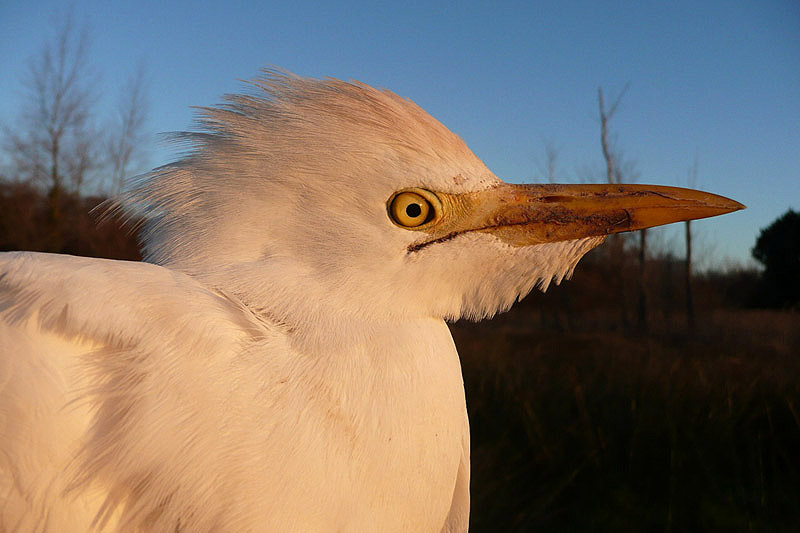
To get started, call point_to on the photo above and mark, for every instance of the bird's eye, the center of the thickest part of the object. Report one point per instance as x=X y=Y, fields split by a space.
x=410 y=209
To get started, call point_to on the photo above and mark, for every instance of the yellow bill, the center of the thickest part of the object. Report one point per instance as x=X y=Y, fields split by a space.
x=523 y=215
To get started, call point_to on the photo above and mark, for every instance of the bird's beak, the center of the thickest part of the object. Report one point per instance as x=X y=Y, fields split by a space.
x=523 y=215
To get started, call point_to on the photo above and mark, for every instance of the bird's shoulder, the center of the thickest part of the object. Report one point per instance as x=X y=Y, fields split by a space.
x=97 y=358
x=117 y=302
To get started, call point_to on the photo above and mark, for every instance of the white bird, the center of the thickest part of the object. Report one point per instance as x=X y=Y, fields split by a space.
x=281 y=362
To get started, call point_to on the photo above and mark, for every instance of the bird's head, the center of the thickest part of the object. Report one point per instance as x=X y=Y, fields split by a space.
x=328 y=195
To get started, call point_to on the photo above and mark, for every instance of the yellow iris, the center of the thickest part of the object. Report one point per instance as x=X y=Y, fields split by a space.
x=409 y=209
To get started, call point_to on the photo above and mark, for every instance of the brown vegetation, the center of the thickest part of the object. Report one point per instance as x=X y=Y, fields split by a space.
x=579 y=425
x=598 y=431
x=27 y=223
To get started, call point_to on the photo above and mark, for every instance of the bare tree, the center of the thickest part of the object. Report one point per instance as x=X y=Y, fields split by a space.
x=126 y=139
x=618 y=171
x=51 y=145
x=613 y=172
x=53 y=157
x=690 y=318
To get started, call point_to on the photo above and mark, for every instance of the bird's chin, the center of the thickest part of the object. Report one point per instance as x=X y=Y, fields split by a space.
x=492 y=275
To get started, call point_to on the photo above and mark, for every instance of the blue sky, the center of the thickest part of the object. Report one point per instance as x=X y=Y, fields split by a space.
x=716 y=79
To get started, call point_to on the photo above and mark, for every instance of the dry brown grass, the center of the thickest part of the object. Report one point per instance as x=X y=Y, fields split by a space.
x=594 y=430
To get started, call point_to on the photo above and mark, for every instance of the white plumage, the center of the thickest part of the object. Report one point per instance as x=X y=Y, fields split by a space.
x=283 y=363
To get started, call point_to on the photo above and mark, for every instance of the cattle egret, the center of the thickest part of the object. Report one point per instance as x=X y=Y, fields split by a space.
x=281 y=362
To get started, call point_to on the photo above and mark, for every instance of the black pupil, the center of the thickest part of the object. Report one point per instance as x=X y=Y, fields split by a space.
x=413 y=210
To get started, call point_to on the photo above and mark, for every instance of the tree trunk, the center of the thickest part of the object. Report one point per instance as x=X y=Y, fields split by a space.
x=690 y=318
x=616 y=242
x=643 y=323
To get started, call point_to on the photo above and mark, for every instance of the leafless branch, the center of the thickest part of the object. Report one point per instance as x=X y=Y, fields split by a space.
x=125 y=141
x=612 y=173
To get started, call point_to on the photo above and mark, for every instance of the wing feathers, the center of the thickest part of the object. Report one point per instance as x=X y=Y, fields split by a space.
x=113 y=302
x=82 y=342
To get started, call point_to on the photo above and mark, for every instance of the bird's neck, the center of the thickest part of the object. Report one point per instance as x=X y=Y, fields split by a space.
x=318 y=315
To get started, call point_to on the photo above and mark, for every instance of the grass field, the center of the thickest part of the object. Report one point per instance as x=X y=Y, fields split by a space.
x=594 y=430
